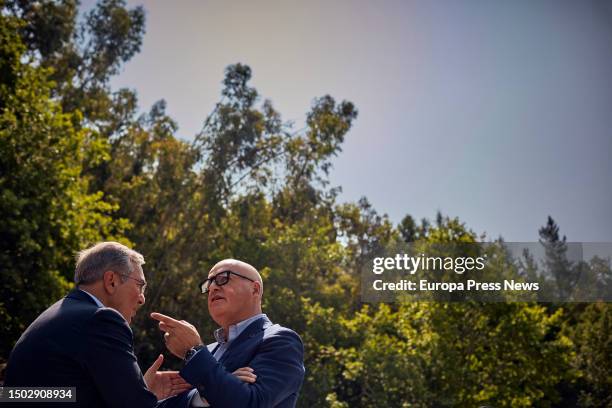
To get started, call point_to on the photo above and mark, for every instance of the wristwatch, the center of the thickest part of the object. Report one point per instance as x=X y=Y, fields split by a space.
x=191 y=352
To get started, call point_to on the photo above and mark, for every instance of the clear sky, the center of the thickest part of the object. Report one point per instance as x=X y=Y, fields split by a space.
x=498 y=112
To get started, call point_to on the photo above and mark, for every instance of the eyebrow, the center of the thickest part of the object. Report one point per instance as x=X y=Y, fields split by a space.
x=221 y=271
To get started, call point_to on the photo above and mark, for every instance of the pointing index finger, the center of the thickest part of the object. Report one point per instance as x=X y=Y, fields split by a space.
x=167 y=320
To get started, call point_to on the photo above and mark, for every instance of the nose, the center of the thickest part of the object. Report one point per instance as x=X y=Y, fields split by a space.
x=213 y=289
x=141 y=299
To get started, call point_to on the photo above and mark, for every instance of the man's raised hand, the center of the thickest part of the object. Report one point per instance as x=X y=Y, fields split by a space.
x=179 y=336
x=164 y=384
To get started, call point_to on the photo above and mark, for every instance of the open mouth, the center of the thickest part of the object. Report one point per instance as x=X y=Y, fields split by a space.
x=216 y=298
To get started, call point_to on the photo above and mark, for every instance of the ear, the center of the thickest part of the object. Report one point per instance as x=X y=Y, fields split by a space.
x=257 y=288
x=110 y=282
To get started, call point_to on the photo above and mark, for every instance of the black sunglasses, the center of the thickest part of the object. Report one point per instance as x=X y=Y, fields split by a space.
x=220 y=279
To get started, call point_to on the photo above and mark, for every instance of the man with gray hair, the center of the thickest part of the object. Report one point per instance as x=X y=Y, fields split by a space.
x=85 y=341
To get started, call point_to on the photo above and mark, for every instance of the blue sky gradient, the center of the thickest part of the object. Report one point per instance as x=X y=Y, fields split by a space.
x=497 y=112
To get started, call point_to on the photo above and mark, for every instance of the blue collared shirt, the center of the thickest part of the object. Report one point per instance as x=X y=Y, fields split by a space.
x=234 y=331
x=95 y=299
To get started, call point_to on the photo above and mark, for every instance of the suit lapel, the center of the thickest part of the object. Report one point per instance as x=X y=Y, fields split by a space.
x=212 y=347
x=237 y=344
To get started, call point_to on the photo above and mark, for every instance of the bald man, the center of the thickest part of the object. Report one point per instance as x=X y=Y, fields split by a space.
x=253 y=363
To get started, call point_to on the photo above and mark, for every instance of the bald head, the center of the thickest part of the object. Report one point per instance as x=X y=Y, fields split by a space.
x=237 y=266
x=237 y=296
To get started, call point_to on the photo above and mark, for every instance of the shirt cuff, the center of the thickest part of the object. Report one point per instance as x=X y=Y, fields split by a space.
x=198 y=401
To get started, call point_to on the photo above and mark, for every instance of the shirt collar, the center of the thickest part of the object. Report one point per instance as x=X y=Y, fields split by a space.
x=95 y=299
x=235 y=329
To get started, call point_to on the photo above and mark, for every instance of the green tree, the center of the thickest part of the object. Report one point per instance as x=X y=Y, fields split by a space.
x=83 y=55
x=46 y=211
x=435 y=353
x=562 y=273
x=229 y=195
x=593 y=339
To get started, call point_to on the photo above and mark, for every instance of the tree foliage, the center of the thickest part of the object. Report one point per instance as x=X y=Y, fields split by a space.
x=46 y=210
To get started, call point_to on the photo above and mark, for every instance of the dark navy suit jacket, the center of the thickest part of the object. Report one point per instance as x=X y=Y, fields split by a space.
x=75 y=343
x=275 y=353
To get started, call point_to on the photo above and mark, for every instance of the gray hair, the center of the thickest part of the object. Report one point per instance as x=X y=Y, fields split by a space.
x=91 y=263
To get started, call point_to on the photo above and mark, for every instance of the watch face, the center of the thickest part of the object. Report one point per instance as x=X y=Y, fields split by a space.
x=191 y=352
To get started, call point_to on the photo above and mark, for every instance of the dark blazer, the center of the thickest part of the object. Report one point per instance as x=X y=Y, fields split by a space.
x=75 y=343
x=275 y=353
